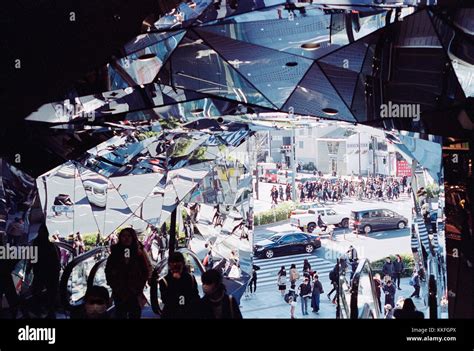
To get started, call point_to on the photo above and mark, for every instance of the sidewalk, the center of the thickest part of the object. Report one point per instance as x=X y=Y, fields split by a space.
x=268 y=303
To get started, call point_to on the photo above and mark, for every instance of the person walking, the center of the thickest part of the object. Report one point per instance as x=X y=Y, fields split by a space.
x=333 y=279
x=281 y=280
x=415 y=282
x=389 y=290
x=127 y=271
x=294 y=276
x=253 y=280
x=305 y=294
x=306 y=268
x=387 y=270
x=316 y=294
x=398 y=268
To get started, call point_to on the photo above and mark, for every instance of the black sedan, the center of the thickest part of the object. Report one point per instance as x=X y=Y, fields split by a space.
x=286 y=243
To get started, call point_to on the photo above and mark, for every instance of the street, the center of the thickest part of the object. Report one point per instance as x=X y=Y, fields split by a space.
x=268 y=303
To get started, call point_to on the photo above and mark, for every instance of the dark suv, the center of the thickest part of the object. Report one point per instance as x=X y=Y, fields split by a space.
x=366 y=221
x=286 y=243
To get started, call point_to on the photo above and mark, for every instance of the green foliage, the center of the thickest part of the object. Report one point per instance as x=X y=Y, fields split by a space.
x=432 y=190
x=280 y=213
x=89 y=240
x=169 y=123
x=407 y=259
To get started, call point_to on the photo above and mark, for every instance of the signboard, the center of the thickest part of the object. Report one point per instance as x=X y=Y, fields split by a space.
x=403 y=169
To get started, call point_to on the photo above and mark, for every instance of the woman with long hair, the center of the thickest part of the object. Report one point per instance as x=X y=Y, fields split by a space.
x=282 y=280
x=127 y=272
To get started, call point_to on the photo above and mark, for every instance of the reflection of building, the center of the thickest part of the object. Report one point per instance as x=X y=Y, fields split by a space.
x=371 y=154
x=332 y=151
x=323 y=145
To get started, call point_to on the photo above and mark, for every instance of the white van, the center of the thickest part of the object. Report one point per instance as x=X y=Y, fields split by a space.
x=96 y=191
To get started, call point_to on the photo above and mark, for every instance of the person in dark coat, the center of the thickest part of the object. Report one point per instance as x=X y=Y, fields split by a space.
x=46 y=272
x=253 y=280
x=127 y=272
x=216 y=303
x=415 y=282
x=398 y=268
x=408 y=311
x=387 y=270
x=179 y=290
x=389 y=290
x=315 y=295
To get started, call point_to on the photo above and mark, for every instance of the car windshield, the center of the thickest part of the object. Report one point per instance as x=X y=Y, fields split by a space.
x=272 y=171
x=99 y=191
x=303 y=207
x=275 y=238
x=354 y=215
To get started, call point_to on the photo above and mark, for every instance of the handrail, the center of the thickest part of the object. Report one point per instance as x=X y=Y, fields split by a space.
x=354 y=303
x=63 y=284
x=93 y=272
x=66 y=246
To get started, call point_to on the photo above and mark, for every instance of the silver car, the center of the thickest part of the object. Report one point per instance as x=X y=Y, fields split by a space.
x=366 y=221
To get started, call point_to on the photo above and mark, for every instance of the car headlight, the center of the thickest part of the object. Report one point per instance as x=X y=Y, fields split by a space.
x=258 y=248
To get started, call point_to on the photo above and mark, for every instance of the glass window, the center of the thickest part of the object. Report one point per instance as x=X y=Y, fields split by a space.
x=288 y=239
x=330 y=212
x=298 y=237
x=365 y=215
x=320 y=212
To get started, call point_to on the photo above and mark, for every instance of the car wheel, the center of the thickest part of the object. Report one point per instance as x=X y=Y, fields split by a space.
x=401 y=225
x=367 y=229
x=311 y=227
x=269 y=254
x=309 y=248
x=345 y=223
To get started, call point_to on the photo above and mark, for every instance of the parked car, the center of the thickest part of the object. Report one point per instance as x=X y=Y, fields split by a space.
x=366 y=221
x=286 y=243
x=309 y=221
x=304 y=208
x=271 y=176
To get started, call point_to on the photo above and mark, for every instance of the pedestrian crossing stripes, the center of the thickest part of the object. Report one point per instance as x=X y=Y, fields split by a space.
x=269 y=268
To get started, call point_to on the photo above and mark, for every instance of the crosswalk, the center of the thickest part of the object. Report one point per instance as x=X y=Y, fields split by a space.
x=267 y=274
